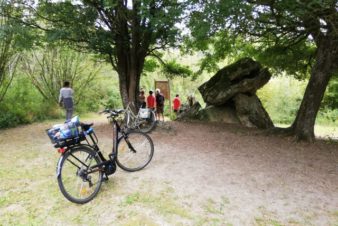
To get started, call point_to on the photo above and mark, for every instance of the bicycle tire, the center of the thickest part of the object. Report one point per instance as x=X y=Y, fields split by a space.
x=139 y=156
x=147 y=125
x=75 y=188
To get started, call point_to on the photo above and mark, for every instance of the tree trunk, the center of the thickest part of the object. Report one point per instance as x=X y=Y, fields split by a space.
x=129 y=80
x=131 y=51
x=325 y=65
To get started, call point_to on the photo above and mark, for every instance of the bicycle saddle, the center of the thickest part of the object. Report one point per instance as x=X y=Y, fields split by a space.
x=86 y=126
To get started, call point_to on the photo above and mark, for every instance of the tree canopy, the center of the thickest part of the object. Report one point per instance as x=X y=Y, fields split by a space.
x=123 y=32
x=288 y=35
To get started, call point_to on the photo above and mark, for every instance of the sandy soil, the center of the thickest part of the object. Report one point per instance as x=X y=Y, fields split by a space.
x=250 y=175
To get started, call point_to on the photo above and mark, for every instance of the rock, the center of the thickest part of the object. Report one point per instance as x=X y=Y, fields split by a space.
x=251 y=112
x=226 y=114
x=231 y=97
x=190 y=113
x=244 y=76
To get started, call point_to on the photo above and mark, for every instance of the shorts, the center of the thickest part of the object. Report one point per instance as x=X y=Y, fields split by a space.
x=159 y=109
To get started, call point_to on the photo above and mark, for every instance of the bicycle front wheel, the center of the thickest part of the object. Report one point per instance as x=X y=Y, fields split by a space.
x=134 y=151
x=77 y=181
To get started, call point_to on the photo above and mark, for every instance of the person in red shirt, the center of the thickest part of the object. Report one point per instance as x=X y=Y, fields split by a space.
x=151 y=100
x=176 y=104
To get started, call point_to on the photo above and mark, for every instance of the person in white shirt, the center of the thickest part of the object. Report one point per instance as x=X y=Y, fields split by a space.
x=66 y=99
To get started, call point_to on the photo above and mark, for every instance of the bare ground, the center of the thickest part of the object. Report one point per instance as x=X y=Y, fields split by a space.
x=201 y=174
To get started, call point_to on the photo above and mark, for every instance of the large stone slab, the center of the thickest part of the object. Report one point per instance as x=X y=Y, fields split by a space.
x=244 y=76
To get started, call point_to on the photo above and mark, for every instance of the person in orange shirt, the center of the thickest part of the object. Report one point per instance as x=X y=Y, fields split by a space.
x=151 y=100
x=176 y=104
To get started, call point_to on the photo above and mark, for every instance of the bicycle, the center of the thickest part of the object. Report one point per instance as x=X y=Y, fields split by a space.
x=143 y=121
x=82 y=168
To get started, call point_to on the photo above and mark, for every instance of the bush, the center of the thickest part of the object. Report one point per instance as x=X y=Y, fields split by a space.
x=23 y=104
x=281 y=98
x=327 y=116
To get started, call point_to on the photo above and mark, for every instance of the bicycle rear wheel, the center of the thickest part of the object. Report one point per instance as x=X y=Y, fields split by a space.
x=134 y=151
x=77 y=182
x=146 y=125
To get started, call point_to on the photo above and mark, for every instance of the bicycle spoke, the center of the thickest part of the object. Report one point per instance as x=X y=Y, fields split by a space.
x=135 y=151
x=75 y=182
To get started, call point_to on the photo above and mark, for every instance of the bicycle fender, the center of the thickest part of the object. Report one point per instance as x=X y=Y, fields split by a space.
x=58 y=168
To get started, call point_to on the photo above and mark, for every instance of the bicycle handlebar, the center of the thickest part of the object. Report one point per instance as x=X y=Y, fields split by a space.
x=112 y=112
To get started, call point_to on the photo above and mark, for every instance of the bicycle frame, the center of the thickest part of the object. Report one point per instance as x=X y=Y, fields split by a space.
x=134 y=120
x=82 y=167
x=94 y=145
x=118 y=133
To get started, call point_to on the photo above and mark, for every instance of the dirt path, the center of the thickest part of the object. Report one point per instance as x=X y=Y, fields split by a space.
x=201 y=174
x=246 y=177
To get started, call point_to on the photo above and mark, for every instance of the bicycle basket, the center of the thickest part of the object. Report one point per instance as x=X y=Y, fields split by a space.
x=65 y=134
x=144 y=113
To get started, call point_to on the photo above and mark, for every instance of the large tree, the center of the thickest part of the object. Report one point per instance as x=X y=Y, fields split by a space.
x=124 y=32
x=280 y=27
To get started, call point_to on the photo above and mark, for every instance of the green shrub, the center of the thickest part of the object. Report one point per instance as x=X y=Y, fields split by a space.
x=281 y=98
x=23 y=104
x=327 y=116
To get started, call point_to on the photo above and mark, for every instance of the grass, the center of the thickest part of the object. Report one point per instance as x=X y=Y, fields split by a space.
x=267 y=222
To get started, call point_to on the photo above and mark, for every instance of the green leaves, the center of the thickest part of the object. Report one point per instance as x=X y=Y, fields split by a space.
x=49 y=68
x=172 y=68
x=276 y=33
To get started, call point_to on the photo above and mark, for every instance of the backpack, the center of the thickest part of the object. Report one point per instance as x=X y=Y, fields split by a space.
x=160 y=99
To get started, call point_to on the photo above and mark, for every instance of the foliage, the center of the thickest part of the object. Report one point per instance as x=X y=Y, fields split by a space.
x=328 y=117
x=233 y=29
x=280 y=104
x=276 y=33
x=49 y=68
x=150 y=65
x=331 y=96
x=281 y=30
x=123 y=32
x=281 y=98
x=172 y=68
x=15 y=37
x=23 y=104
x=8 y=56
x=113 y=101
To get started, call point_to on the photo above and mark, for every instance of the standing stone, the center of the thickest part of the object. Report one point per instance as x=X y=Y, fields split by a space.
x=251 y=112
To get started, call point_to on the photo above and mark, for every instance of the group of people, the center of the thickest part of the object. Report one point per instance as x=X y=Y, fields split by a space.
x=152 y=102
x=157 y=102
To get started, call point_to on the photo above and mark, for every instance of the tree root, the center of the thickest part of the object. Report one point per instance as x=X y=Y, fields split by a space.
x=288 y=132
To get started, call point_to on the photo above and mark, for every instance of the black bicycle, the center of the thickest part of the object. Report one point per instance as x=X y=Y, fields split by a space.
x=82 y=166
